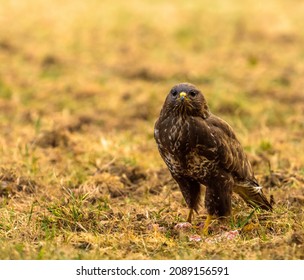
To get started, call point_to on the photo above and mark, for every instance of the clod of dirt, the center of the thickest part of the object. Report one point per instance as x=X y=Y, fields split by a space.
x=78 y=123
x=50 y=61
x=7 y=46
x=84 y=245
x=11 y=184
x=142 y=73
x=52 y=138
x=296 y=238
x=159 y=179
x=128 y=175
x=140 y=217
x=134 y=175
x=102 y=185
x=114 y=180
x=296 y=200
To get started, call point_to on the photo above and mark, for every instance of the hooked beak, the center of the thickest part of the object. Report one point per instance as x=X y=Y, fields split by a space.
x=182 y=95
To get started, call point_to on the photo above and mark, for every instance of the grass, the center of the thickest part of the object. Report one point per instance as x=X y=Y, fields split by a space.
x=81 y=85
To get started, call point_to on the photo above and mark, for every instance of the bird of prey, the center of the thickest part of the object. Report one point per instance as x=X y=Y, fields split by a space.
x=199 y=149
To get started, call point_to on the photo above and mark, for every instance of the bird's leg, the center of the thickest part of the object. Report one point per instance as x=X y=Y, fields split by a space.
x=189 y=219
x=206 y=224
x=217 y=199
x=191 y=190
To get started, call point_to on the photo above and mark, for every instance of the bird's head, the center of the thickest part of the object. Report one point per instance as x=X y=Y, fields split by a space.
x=186 y=99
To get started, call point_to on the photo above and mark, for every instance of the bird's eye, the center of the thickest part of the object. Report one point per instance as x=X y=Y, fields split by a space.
x=174 y=93
x=192 y=93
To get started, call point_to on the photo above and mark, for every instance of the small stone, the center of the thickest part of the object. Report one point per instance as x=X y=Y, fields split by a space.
x=296 y=239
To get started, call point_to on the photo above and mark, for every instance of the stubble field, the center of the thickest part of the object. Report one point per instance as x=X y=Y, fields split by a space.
x=81 y=85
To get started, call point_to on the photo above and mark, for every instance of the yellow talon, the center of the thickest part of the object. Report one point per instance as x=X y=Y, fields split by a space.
x=189 y=219
x=206 y=224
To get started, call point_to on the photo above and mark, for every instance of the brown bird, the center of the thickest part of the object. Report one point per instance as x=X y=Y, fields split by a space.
x=199 y=148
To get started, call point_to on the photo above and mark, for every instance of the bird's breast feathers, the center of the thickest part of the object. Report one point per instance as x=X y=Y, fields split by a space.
x=179 y=143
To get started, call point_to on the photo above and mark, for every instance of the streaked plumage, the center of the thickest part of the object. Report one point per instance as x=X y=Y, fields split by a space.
x=199 y=148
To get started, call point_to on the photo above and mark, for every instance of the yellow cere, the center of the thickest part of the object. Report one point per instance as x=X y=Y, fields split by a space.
x=182 y=94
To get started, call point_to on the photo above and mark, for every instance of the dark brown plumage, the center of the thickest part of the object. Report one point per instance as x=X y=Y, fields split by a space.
x=199 y=148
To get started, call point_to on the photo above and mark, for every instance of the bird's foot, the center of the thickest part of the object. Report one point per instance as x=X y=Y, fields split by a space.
x=206 y=224
x=189 y=218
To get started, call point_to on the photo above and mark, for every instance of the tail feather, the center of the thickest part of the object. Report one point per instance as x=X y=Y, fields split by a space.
x=251 y=192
